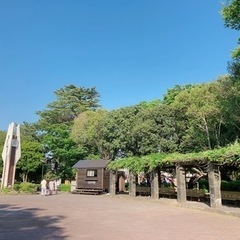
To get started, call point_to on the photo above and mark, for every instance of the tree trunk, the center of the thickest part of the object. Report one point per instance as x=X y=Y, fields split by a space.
x=207 y=132
x=24 y=177
x=218 y=132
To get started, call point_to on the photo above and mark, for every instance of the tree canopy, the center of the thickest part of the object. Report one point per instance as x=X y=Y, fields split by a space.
x=55 y=125
x=231 y=17
x=70 y=102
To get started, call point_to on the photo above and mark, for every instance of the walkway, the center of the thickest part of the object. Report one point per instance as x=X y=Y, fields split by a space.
x=69 y=216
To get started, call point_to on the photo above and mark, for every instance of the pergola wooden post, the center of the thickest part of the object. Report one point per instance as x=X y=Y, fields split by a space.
x=132 y=184
x=113 y=178
x=181 y=184
x=155 y=183
x=214 y=179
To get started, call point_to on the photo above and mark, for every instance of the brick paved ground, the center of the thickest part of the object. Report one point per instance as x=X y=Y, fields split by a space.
x=68 y=216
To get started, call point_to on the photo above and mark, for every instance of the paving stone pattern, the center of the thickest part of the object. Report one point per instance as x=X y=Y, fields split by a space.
x=105 y=217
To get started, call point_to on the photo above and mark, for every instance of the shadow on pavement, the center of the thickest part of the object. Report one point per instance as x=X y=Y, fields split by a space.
x=24 y=223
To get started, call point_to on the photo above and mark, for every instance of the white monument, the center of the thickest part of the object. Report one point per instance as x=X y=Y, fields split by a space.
x=10 y=155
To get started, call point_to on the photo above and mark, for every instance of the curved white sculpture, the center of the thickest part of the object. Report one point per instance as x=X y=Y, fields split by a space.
x=10 y=155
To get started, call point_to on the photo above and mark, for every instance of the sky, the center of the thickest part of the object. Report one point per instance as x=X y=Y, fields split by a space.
x=130 y=50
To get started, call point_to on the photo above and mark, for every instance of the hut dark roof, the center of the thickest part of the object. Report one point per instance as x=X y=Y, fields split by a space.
x=91 y=164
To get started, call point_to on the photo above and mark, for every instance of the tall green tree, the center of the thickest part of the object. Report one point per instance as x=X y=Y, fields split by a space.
x=228 y=98
x=70 y=102
x=234 y=69
x=138 y=130
x=169 y=96
x=154 y=130
x=230 y=13
x=55 y=125
x=116 y=132
x=63 y=150
x=204 y=117
x=231 y=17
x=86 y=129
x=29 y=132
x=32 y=154
x=207 y=115
x=31 y=159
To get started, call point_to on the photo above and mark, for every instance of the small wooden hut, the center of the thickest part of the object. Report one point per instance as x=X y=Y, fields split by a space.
x=92 y=176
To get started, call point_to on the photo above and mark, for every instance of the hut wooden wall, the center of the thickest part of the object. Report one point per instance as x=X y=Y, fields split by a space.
x=101 y=181
x=106 y=180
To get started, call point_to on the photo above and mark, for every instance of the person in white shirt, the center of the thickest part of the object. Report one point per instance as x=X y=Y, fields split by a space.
x=43 y=187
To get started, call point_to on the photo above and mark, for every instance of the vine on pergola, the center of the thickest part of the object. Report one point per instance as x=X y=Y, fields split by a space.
x=221 y=156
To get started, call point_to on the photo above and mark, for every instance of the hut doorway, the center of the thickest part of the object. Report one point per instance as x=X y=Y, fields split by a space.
x=122 y=180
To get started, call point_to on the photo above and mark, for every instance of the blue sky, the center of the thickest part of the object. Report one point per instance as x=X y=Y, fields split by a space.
x=130 y=50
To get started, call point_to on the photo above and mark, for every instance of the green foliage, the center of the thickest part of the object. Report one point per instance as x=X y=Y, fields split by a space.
x=230 y=185
x=55 y=125
x=204 y=115
x=166 y=185
x=70 y=102
x=190 y=120
x=235 y=185
x=50 y=176
x=234 y=69
x=31 y=156
x=138 y=131
x=151 y=104
x=236 y=53
x=29 y=132
x=155 y=130
x=138 y=164
x=65 y=188
x=203 y=184
x=86 y=129
x=93 y=157
x=7 y=191
x=229 y=154
x=24 y=187
x=231 y=14
x=64 y=150
x=171 y=94
x=224 y=185
x=116 y=132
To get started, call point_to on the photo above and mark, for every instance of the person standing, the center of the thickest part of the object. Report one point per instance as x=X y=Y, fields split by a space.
x=43 y=187
x=51 y=187
x=55 y=186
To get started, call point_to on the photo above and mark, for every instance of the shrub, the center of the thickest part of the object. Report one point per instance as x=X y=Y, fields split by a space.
x=16 y=187
x=166 y=185
x=25 y=187
x=65 y=188
x=234 y=185
x=230 y=186
x=224 y=185
x=203 y=184
x=7 y=190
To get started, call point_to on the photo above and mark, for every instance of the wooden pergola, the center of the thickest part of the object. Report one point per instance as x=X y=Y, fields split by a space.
x=214 y=179
x=228 y=157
